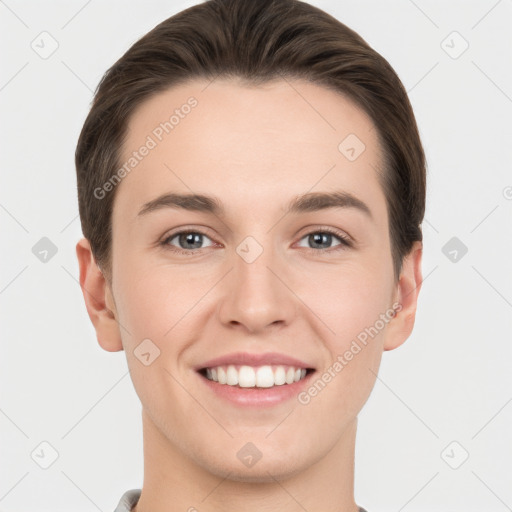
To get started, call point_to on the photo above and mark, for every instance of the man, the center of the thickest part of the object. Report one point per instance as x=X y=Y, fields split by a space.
x=251 y=189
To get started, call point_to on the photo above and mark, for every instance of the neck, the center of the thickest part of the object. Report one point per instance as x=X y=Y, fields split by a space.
x=174 y=482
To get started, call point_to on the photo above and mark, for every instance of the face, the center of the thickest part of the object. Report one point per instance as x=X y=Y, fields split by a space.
x=294 y=261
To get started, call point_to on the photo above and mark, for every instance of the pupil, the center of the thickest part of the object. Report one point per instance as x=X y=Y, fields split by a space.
x=317 y=238
x=188 y=238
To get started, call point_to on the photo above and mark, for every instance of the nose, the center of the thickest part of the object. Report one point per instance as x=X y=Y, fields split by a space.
x=256 y=293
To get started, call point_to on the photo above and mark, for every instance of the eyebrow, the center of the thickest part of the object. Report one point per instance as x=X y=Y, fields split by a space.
x=310 y=202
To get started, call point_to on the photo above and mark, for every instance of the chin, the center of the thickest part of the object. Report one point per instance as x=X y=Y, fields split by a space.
x=267 y=469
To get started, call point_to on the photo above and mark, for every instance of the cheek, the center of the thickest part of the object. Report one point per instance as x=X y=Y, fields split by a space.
x=358 y=307
x=162 y=305
x=147 y=311
x=143 y=307
x=153 y=316
x=353 y=307
x=348 y=299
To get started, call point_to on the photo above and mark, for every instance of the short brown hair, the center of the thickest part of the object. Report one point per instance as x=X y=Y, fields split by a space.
x=256 y=41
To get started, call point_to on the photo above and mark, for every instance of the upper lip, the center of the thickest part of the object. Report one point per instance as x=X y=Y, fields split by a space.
x=245 y=358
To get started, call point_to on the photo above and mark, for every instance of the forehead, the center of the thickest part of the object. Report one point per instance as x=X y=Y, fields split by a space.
x=267 y=143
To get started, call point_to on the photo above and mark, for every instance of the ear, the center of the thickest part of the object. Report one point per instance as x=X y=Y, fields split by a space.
x=406 y=298
x=99 y=300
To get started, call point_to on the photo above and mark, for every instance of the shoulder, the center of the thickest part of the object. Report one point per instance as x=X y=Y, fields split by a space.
x=128 y=500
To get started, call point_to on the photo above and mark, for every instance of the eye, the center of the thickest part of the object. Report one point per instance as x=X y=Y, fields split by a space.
x=188 y=241
x=322 y=240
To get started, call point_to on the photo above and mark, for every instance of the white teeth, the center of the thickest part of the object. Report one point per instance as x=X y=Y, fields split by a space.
x=261 y=377
x=265 y=377
x=221 y=375
x=246 y=377
x=232 y=376
x=279 y=376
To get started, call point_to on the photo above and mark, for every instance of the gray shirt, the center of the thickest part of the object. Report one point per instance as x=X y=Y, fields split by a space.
x=130 y=498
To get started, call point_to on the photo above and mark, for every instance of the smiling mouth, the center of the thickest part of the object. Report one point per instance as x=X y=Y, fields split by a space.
x=266 y=376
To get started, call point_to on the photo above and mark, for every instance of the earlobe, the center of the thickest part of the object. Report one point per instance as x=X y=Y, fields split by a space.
x=98 y=298
x=408 y=288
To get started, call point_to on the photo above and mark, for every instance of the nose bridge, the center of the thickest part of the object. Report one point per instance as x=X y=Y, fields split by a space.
x=256 y=295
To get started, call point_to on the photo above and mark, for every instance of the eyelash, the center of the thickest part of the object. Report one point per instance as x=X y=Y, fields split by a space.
x=345 y=241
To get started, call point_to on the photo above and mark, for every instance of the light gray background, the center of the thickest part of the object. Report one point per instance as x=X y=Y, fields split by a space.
x=451 y=381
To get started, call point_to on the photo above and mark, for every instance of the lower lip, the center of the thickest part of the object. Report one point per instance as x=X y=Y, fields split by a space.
x=257 y=397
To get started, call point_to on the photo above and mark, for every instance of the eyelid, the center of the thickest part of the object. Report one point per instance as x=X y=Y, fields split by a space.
x=346 y=241
x=203 y=230
x=343 y=235
x=164 y=241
